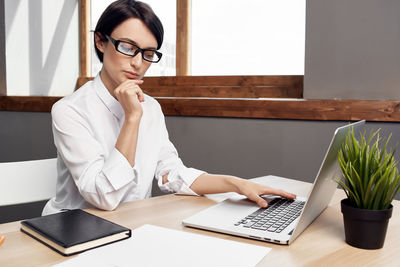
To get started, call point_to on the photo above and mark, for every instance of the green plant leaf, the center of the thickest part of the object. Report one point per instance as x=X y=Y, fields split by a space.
x=370 y=193
x=393 y=190
x=353 y=197
x=370 y=179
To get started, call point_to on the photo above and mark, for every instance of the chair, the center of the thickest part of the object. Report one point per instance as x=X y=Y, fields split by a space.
x=25 y=186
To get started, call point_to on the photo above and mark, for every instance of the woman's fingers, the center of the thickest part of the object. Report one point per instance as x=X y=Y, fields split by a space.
x=279 y=192
x=129 y=94
x=270 y=191
x=254 y=191
x=259 y=200
x=140 y=94
x=138 y=91
x=128 y=89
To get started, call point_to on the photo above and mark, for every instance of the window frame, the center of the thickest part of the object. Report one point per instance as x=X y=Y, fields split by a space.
x=249 y=105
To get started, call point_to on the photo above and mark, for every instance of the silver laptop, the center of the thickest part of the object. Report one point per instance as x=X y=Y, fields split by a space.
x=284 y=219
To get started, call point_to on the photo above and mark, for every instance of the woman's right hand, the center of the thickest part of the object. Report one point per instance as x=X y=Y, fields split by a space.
x=130 y=95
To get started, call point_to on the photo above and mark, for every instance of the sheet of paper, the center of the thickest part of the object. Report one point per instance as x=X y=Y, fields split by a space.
x=157 y=246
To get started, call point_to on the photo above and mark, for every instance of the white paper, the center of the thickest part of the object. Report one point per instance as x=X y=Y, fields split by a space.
x=157 y=246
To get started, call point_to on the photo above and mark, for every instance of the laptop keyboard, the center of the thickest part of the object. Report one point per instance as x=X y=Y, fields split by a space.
x=275 y=218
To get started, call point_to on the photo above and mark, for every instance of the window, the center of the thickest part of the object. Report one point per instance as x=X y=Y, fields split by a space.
x=222 y=96
x=269 y=42
x=232 y=37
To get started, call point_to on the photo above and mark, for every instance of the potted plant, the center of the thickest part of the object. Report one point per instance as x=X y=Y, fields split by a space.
x=371 y=180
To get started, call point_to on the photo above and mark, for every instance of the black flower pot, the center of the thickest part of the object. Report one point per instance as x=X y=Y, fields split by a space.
x=365 y=228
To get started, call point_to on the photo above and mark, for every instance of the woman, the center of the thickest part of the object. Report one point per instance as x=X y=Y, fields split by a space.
x=111 y=138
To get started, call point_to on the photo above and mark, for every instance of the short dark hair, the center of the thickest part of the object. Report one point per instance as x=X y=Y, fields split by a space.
x=121 y=10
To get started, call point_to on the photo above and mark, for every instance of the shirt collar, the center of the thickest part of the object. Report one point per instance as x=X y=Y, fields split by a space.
x=109 y=101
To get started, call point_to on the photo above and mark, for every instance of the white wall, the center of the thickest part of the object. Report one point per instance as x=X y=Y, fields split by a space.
x=42 y=46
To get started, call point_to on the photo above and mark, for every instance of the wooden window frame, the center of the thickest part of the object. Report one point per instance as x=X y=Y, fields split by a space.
x=244 y=97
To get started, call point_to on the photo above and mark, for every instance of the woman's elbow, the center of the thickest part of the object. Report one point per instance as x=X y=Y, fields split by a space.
x=108 y=206
x=104 y=203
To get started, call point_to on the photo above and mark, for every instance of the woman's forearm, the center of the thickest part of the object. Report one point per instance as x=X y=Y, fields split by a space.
x=214 y=184
x=127 y=139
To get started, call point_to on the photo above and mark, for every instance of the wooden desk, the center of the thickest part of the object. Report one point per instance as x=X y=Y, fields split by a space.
x=321 y=244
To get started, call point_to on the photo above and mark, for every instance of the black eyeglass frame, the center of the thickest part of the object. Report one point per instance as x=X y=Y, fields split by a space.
x=138 y=49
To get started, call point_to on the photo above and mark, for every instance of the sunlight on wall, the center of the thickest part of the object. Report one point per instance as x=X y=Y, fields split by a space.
x=42 y=48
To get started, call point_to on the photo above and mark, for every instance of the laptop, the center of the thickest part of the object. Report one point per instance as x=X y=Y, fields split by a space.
x=283 y=220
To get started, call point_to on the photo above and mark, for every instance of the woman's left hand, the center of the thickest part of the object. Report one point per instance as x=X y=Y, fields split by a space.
x=254 y=192
x=214 y=184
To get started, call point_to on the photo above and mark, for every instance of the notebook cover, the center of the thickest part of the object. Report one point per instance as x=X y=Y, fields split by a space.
x=73 y=227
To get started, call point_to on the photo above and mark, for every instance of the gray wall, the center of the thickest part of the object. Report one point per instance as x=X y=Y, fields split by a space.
x=352 y=49
x=24 y=136
x=243 y=147
x=256 y=147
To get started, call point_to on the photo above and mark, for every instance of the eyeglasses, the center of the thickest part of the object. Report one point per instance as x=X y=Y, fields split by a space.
x=129 y=49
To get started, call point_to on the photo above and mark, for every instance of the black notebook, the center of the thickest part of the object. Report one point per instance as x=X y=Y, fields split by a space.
x=74 y=231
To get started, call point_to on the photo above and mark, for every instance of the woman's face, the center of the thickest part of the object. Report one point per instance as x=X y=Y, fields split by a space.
x=117 y=67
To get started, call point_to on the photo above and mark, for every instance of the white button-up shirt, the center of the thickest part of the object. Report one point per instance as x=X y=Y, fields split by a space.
x=91 y=171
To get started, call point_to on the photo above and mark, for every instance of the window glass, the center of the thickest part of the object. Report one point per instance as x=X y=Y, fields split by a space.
x=166 y=11
x=253 y=37
x=42 y=47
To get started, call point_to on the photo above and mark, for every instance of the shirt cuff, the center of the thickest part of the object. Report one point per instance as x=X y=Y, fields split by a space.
x=118 y=171
x=188 y=175
x=185 y=190
x=181 y=181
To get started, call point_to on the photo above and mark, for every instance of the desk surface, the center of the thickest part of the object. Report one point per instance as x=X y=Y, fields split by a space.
x=321 y=244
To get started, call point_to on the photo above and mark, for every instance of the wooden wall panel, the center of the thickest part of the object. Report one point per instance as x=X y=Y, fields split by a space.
x=27 y=103
x=343 y=110
x=221 y=86
x=183 y=37
x=84 y=39
x=225 y=86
